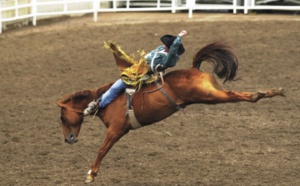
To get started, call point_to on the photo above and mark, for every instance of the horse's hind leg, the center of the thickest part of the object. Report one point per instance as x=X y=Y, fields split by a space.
x=273 y=92
x=112 y=136
x=221 y=96
x=206 y=89
x=255 y=96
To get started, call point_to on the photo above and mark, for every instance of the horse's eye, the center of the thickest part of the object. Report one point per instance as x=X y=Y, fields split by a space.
x=63 y=119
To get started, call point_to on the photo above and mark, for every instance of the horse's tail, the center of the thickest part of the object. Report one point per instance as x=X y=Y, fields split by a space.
x=221 y=56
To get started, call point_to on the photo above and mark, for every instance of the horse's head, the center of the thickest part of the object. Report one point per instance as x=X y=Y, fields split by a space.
x=71 y=120
x=72 y=107
x=71 y=116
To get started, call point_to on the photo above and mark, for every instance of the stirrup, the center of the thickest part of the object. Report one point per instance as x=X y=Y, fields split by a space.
x=92 y=107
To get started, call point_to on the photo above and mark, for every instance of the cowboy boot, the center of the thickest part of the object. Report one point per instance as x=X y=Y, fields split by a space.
x=92 y=107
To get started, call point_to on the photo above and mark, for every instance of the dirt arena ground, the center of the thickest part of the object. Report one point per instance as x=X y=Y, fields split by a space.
x=226 y=144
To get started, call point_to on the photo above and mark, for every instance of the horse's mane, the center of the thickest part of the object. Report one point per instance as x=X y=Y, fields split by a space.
x=78 y=96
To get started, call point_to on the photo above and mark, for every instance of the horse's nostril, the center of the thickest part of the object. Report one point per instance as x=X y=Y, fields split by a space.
x=71 y=139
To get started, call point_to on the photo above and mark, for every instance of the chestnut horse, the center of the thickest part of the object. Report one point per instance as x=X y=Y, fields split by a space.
x=183 y=87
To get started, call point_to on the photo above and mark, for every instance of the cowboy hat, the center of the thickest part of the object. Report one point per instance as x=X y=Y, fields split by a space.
x=168 y=41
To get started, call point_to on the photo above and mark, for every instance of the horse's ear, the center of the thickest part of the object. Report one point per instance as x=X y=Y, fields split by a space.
x=60 y=104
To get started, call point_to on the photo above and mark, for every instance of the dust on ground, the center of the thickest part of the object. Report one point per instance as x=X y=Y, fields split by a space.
x=225 y=144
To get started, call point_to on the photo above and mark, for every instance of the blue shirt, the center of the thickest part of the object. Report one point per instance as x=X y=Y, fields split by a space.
x=160 y=57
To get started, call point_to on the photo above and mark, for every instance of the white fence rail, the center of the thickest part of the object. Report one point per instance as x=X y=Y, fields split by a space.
x=31 y=10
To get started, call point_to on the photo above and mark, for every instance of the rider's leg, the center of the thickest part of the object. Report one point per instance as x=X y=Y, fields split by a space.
x=112 y=93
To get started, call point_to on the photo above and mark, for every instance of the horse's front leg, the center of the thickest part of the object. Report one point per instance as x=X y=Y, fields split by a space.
x=112 y=136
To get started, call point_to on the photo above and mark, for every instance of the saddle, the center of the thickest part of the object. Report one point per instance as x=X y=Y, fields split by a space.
x=130 y=92
x=133 y=71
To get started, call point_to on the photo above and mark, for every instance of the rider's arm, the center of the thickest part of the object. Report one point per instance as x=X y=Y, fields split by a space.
x=173 y=57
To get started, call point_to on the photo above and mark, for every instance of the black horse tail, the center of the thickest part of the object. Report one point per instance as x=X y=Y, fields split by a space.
x=221 y=56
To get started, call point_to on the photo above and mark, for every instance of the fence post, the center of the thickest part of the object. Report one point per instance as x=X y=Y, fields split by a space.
x=234 y=6
x=245 y=6
x=115 y=5
x=191 y=4
x=0 y=17
x=95 y=7
x=16 y=9
x=34 y=11
x=65 y=6
x=173 y=6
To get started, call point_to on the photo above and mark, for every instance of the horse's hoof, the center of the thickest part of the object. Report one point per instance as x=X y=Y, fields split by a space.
x=89 y=179
x=281 y=92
